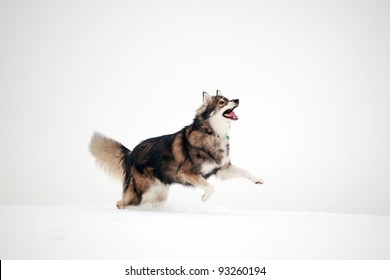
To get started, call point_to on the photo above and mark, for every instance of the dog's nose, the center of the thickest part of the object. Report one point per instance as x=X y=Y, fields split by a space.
x=236 y=101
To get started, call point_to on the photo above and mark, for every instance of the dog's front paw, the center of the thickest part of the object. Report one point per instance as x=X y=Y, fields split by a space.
x=257 y=180
x=207 y=194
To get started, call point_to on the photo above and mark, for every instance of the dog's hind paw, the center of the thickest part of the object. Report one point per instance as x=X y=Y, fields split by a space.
x=120 y=204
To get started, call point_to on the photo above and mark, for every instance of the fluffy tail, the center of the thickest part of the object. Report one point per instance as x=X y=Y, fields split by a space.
x=109 y=154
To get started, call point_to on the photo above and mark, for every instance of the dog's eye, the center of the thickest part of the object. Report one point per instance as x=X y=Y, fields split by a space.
x=221 y=102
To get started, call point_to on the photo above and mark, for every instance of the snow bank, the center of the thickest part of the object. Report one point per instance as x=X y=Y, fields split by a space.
x=182 y=232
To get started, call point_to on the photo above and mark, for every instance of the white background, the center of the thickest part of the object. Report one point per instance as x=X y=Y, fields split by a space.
x=313 y=78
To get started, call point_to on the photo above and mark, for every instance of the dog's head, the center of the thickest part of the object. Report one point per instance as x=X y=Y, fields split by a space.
x=218 y=108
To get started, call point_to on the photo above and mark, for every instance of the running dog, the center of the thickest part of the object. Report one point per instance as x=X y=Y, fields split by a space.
x=188 y=157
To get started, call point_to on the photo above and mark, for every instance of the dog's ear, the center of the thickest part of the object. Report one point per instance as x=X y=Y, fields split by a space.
x=206 y=98
x=219 y=93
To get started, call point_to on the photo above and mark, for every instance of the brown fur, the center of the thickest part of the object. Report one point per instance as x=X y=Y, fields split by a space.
x=108 y=154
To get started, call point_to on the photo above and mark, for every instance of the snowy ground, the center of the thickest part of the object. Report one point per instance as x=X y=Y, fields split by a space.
x=188 y=232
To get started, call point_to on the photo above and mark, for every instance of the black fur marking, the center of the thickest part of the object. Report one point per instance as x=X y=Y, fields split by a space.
x=207 y=113
x=213 y=172
x=156 y=156
x=196 y=124
x=207 y=155
x=185 y=145
x=124 y=150
x=127 y=164
x=208 y=131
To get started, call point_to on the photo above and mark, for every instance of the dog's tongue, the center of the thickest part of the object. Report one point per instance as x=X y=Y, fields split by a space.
x=232 y=116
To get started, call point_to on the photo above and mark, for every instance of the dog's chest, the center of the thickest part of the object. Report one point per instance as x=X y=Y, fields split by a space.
x=222 y=159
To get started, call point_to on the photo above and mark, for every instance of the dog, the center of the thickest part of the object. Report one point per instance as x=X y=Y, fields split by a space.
x=188 y=157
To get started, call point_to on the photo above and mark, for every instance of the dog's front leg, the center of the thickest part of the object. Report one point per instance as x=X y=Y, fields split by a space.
x=232 y=171
x=198 y=181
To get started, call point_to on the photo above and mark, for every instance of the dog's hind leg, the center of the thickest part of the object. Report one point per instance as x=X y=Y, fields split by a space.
x=156 y=194
x=130 y=197
x=232 y=171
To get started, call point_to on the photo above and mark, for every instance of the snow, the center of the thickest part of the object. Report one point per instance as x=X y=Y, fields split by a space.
x=174 y=231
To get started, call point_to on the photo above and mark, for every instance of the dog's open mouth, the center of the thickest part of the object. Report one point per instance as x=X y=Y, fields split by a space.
x=229 y=114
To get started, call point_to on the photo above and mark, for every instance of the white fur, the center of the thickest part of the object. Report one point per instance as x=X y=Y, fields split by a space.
x=157 y=193
x=207 y=167
x=235 y=172
x=219 y=123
